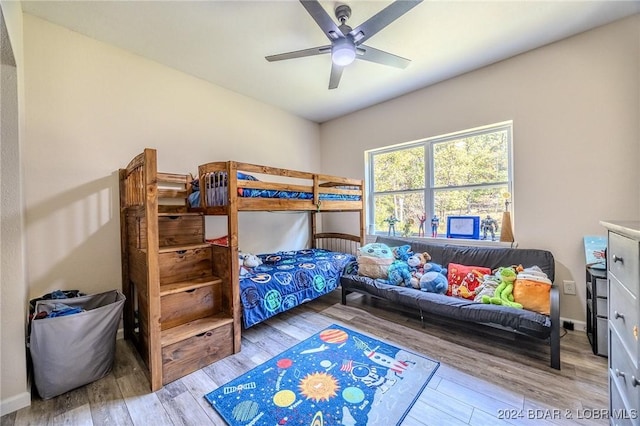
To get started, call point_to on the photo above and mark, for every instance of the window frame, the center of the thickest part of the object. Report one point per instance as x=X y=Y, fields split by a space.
x=429 y=190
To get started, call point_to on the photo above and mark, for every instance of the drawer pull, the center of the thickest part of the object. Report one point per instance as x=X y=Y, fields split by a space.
x=190 y=291
x=173 y=217
x=617 y=259
x=181 y=252
x=618 y=315
x=206 y=333
x=635 y=382
x=620 y=373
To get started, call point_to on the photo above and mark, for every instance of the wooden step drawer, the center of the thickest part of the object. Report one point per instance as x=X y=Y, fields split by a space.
x=180 y=308
x=173 y=230
x=180 y=230
x=186 y=264
x=187 y=356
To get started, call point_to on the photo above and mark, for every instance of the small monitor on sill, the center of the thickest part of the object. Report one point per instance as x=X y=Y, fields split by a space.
x=467 y=227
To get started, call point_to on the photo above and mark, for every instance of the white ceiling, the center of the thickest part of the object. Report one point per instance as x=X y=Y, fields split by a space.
x=225 y=42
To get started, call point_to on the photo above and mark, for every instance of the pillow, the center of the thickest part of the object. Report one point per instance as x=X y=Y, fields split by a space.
x=245 y=176
x=464 y=280
x=532 y=290
x=378 y=250
x=374 y=267
x=220 y=241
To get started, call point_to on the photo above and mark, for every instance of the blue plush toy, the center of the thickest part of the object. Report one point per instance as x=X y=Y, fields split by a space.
x=434 y=282
x=399 y=274
x=402 y=252
x=434 y=267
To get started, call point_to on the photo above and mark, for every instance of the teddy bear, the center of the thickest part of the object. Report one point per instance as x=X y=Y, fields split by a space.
x=248 y=261
x=416 y=264
x=504 y=292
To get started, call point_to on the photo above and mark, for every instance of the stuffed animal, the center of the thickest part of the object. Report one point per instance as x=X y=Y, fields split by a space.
x=402 y=252
x=374 y=260
x=434 y=282
x=416 y=264
x=434 y=267
x=248 y=261
x=487 y=288
x=504 y=292
x=399 y=274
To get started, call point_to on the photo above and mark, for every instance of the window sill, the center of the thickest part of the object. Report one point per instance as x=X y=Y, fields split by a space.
x=452 y=241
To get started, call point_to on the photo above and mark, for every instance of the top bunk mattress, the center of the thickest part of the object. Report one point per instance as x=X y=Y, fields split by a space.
x=217 y=192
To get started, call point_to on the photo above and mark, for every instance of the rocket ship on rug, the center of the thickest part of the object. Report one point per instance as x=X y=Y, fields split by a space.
x=381 y=359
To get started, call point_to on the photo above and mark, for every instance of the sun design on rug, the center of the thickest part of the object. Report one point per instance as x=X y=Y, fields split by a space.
x=319 y=386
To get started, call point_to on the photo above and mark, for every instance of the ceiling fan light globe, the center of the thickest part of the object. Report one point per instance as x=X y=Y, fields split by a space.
x=343 y=54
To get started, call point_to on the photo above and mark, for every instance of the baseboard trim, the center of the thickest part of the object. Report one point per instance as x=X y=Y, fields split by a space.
x=577 y=325
x=15 y=403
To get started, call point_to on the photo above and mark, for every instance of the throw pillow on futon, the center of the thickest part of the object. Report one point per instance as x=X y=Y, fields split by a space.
x=374 y=260
x=532 y=289
x=464 y=280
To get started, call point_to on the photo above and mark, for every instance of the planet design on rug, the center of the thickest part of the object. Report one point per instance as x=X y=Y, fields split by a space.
x=317 y=420
x=332 y=335
x=319 y=386
x=284 y=363
x=353 y=395
x=284 y=398
x=245 y=411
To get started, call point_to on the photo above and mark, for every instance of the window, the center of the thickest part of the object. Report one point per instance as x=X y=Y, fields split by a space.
x=466 y=173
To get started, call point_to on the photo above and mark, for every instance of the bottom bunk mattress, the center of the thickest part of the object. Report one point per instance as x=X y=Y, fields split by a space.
x=287 y=279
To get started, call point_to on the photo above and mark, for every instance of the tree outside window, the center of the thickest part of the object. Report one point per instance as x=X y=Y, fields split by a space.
x=462 y=174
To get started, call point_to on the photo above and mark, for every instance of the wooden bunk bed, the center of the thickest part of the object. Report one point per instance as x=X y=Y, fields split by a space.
x=183 y=307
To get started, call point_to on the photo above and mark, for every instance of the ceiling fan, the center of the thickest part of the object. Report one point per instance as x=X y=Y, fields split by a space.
x=347 y=43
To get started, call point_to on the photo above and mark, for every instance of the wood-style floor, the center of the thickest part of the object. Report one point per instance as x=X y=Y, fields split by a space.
x=483 y=379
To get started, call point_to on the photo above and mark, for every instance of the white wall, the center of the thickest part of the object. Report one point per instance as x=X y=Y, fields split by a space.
x=14 y=392
x=575 y=106
x=90 y=108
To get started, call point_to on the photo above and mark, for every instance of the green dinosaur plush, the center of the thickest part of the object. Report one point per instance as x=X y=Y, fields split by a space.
x=504 y=292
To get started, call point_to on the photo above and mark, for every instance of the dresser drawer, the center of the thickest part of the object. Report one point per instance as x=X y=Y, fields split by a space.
x=602 y=307
x=623 y=317
x=601 y=287
x=624 y=257
x=624 y=372
x=620 y=414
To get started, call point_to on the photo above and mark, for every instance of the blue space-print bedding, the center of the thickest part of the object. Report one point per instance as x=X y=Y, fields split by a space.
x=217 y=192
x=272 y=193
x=288 y=279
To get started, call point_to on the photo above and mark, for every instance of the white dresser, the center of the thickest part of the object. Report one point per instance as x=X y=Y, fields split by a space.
x=623 y=264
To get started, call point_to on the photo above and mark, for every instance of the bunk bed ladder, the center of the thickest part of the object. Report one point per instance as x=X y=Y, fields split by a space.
x=180 y=311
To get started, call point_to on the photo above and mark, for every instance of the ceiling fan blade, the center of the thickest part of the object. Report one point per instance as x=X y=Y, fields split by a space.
x=299 y=53
x=336 y=73
x=368 y=53
x=322 y=18
x=371 y=26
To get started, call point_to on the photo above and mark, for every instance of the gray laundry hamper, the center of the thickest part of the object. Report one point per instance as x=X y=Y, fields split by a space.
x=71 y=351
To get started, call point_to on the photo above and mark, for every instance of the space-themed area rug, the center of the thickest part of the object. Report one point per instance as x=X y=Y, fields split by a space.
x=335 y=377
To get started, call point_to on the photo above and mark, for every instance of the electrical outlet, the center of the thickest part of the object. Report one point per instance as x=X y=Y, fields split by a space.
x=569 y=287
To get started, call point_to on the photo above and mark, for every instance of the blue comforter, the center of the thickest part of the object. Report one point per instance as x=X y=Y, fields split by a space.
x=288 y=279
